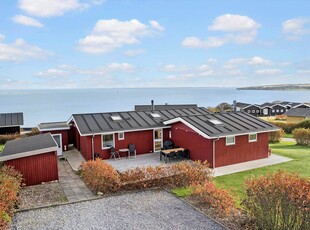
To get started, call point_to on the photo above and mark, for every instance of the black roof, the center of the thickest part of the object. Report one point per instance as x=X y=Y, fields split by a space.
x=53 y=125
x=28 y=144
x=11 y=119
x=298 y=112
x=164 y=107
x=93 y=123
x=231 y=123
x=241 y=104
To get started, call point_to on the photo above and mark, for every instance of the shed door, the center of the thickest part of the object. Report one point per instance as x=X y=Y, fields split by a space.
x=265 y=111
x=57 y=138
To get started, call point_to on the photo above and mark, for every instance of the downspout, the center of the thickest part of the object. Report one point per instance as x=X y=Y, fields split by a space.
x=92 y=147
x=213 y=152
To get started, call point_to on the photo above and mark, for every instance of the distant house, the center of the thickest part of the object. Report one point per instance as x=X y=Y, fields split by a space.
x=252 y=109
x=10 y=123
x=298 y=114
x=35 y=157
x=220 y=138
x=290 y=105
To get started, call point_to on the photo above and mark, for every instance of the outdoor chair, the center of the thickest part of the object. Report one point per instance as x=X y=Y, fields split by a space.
x=186 y=154
x=179 y=154
x=114 y=153
x=132 y=150
x=168 y=144
x=171 y=155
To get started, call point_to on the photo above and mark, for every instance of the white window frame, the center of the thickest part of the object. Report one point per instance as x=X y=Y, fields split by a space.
x=277 y=110
x=253 y=110
x=120 y=138
x=273 y=110
x=232 y=143
x=249 y=111
x=253 y=139
x=105 y=147
x=257 y=111
x=170 y=134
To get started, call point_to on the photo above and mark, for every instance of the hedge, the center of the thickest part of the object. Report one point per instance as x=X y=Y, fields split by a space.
x=302 y=136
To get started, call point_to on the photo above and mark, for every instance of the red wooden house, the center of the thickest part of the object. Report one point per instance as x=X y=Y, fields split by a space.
x=220 y=138
x=35 y=157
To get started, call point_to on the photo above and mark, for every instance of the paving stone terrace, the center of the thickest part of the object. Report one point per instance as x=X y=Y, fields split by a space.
x=73 y=186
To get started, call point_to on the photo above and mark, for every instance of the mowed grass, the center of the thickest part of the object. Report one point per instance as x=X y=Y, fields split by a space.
x=300 y=164
x=288 y=135
x=234 y=183
x=1 y=148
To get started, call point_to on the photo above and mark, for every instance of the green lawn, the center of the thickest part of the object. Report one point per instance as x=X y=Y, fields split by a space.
x=288 y=135
x=235 y=182
x=1 y=148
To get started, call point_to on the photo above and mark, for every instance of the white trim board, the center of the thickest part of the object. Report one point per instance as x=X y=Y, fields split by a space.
x=27 y=154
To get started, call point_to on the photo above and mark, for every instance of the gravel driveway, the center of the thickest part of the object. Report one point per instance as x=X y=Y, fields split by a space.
x=143 y=210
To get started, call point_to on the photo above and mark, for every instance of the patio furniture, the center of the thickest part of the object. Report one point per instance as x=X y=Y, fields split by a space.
x=168 y=144
x=171 y=155
x=114 y=153
x=180 y=154
x=186 y=154
x=132 y=150
x=124 y=151
x=167 y=151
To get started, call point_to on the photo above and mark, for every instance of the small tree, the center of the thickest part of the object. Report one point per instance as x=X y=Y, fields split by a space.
x=302 y=136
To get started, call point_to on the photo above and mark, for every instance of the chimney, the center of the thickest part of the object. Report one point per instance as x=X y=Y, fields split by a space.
x=234 y=106
x=152 y=105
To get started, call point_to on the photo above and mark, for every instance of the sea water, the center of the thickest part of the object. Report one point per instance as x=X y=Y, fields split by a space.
x=58 y=105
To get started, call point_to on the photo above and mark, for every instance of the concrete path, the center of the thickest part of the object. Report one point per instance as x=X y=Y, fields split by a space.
x=74 y=158
x=73 y=186
x=230 y=169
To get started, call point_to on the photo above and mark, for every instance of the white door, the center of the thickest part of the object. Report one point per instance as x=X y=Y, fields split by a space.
x=265 y=111
x=158 y=139
x=57 y=138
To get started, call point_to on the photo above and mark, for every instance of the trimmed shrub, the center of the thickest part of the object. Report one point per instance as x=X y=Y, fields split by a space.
x=218 y=199
x=33 y=132
x=175 y=175
x=302 y=136
x=288 y=127
x=10 y=183
x=278 y=201
x=100 y=176
x=275 y=137
x=304 y=124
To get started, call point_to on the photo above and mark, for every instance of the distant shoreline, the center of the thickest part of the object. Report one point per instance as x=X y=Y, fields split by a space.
x=285 y=87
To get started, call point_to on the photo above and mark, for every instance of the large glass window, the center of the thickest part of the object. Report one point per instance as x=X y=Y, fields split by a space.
x=230 y=140
x=107 y=141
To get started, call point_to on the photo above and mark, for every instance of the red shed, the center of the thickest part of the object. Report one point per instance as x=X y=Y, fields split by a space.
x=35 y=157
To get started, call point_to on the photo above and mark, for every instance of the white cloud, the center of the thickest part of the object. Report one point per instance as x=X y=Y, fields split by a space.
x=50 y=8
x=304 y=71
x=233 y=23
x=20 y=50
x=67 y=70
x=259 y=61
x=108 y=35
x=154 y=24
x=204 y=67
x=212 y=60
x=238 y=29
x=268 y=71
x=296 y=27
x=132 y=53
x=13 y=84
x=27 y=21
x=173 y=68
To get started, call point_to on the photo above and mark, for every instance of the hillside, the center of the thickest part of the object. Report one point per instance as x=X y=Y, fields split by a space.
x=278 y=87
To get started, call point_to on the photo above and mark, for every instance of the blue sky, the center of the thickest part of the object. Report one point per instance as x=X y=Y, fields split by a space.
x=124 y=43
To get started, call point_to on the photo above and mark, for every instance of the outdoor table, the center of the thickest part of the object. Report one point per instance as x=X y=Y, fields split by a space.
x=167 y=151
x=124 y=151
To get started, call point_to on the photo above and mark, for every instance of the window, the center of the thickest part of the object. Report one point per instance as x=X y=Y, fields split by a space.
x=281 y=110
x=253 y=137
x=257 y=111
x=253 y=111
x=121 y=136
x=277 y=110
x=116 y=118
x=230 y=140
x=215 y=122
x=249 y=111
x=170 y=134
x=155 y=115
x=107 y=141
x=273 y=110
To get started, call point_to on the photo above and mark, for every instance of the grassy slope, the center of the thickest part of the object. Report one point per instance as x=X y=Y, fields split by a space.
x=300 y=164
x=235 y=182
